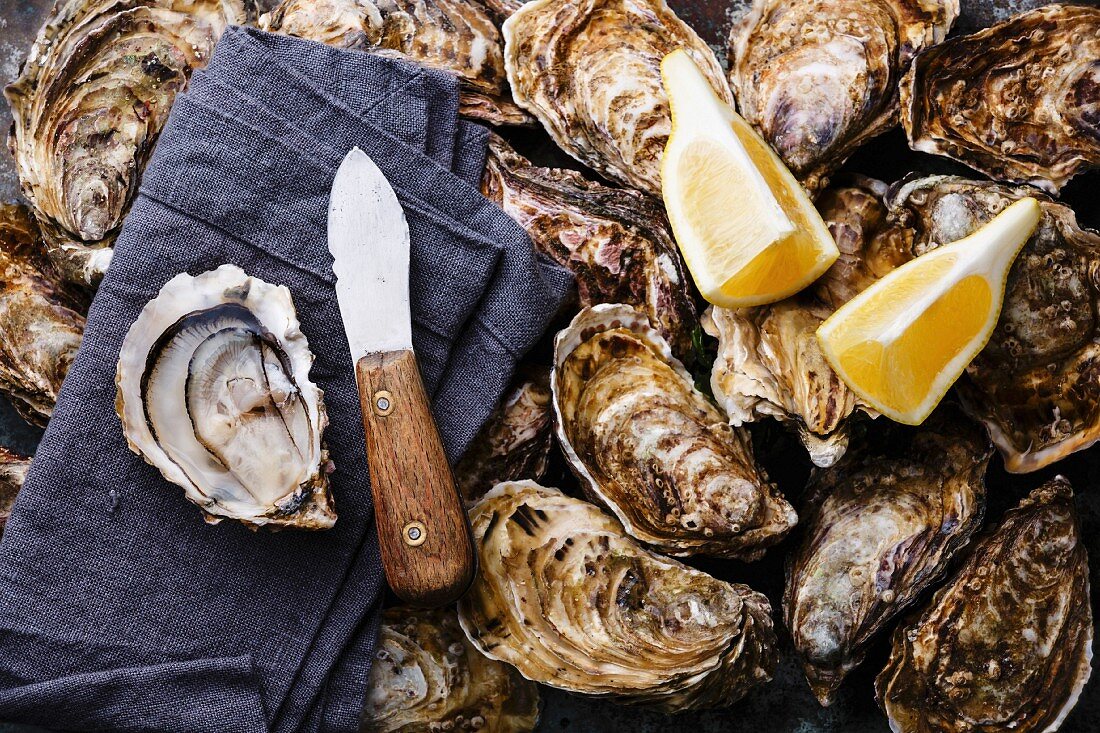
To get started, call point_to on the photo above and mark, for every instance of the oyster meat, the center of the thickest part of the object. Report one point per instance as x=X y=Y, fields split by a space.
x=1006 y=645
x=13 y=472
x=572 y=602
x=590 y=71
x=819 y=78
x=41 y=318
x=91 y=99
x=617 y=242
x=1018 y=101
x=214 y=391
x=427 y=676
x=515 y=442
x=881 y=527
x=651 y=448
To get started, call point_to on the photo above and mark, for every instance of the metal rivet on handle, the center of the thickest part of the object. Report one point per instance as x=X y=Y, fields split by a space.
x=414 y=534
x=383 y=402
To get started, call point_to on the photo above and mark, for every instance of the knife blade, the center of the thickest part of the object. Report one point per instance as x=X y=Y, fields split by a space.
x=423 y=533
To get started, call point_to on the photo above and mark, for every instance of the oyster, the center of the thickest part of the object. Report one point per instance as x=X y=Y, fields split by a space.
x=589 y=70
x=881 y=527
x=1006 y=645
x=617 y=242
x=214 y=391
x=1035 y=384
x=341 y=23
x=573 y=603
x=428 y=677
x=41 y=319
x=13 y=472
x=818 y=78
x=88 y=106
x=515 y=442
x=1017 y=101
x=648 y=446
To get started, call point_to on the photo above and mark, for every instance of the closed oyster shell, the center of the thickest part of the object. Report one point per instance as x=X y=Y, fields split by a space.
x=41 y=319
x=572 y=602
x=341 y=23
x=1019 y=101
x=13 y=472
x=818 y=78
x=881 y=527
x=214 y=391
x=91 y=99
x=617 y=242
x=1006 y=645
x=651 y=448
x=589 y=70
x=427 y=675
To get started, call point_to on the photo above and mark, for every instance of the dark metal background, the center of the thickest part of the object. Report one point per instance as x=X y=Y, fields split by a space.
x=785 y=705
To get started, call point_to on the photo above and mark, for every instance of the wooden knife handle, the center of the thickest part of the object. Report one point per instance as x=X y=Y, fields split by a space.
x=423 y=531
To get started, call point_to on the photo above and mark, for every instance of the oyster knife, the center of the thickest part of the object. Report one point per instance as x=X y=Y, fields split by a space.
x=423 y=533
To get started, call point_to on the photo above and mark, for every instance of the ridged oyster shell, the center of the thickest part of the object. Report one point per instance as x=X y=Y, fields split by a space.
x=572 y=602
x=214 y=391
x=880 y=527
x=617 y=242
x=819 y=77
x=1018 y=101
x=88 y=106
x=589 y=70
x=426 y=675
x=13 y=472
x=651 y=448
x=1006 y=645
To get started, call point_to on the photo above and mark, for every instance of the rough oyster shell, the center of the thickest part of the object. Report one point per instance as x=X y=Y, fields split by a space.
x=1006 y=645
x=427 y=675
x=572 y=602
x=340 y=23
x=41 y=319
x=881 y=527
x=515 y=442
x=819 y=77
x=648 y=446
x=1035 y=384
x=589 y=70
x=214 y=391
x=88 y=106
x=616 y=242
x=13 y=472
x=1017 y=101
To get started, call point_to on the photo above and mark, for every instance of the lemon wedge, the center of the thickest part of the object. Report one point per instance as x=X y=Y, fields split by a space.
x=901 y=343
x=748 y=231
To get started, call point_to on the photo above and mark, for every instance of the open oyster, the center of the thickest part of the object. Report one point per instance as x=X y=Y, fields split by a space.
x=881 y=527
x=1017 y=101
x=616 y=242
x=572 y=602
x=13 y=472
x=590 y=70
x=1034 y=385
x=88 y=106
x=41 y=319
x=1006 y=645
x=515 y=442
x=428 y=677
x=214 y=391
x=819 y=77
x=650 y=447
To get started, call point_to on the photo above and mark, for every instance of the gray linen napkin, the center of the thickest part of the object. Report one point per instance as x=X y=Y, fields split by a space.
x=119 y=608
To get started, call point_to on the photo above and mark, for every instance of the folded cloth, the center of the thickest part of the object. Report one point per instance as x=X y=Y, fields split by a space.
x=120 y=610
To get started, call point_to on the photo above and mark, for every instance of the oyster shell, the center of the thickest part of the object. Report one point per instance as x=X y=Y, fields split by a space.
x=515 y=442
x=214 y=391
x=616 y=242
x=1035 y=384
x=428 y=677
x=589 y=70
x=818 y=78
x=41 y=319
x=1017 y=101
x=91 y=99
x=881 y=527
x=648 y=446
x=572 y=602
x=13 y=472
x=341 y=23
x=1006 y=645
